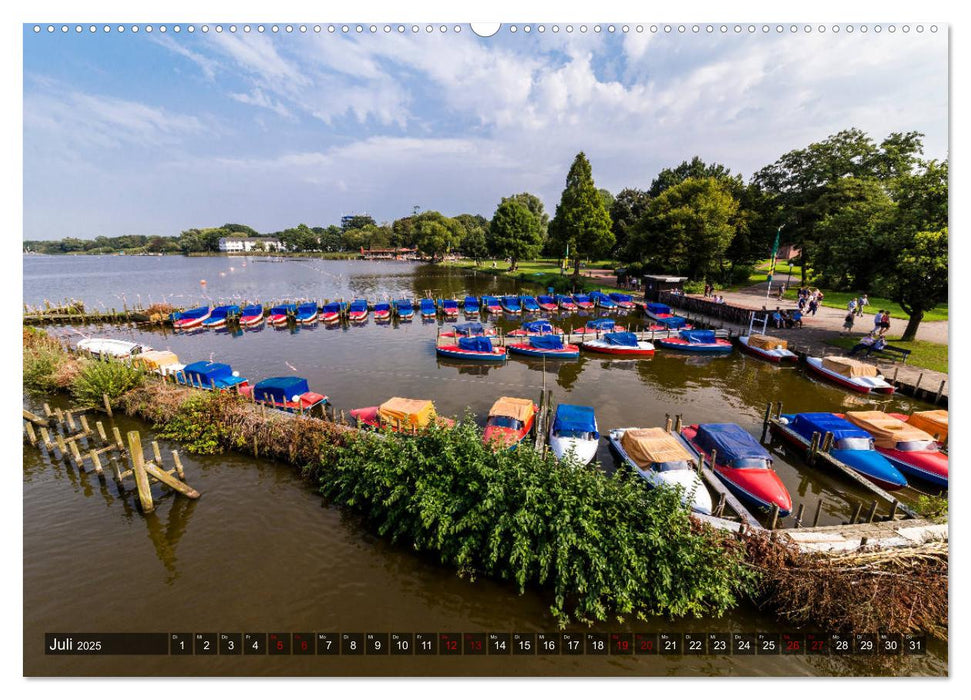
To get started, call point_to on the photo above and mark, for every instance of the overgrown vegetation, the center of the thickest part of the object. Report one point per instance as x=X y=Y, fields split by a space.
x=604 y=545
x=931 y=507
x=98 y=379
x=45 y=362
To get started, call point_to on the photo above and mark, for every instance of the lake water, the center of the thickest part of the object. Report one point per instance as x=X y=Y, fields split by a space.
x=260 y=551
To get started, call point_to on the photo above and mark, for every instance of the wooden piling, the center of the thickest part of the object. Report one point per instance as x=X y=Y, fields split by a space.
x=96 y=461
x=678 y=424
x=47 y=411
x=256 y=447
x=69 y=417
x=778 y=410
x=31 y=435
x=101 y=432
x=856 y=513
x=873 y=511
x=827 y=442
x=168 y=480
x=117 y=435
x=774 y=516
x=668 y=423
x=765 y=420
x=178 y=464
x=893 y=510
x=84 y=423
x=156 y=453
x=59 y=414
x=141 y=475
x=920 y=377
x=802 y=506
x=60 y=445
x=76 y=453
x=45 y=437
x=107 y=403
x=819 y=507
x=894 y=380
x=940 y=391
x=720 y=508
x=813 y=448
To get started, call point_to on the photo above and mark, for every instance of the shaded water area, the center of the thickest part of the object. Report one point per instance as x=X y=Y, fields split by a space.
x=260 y=551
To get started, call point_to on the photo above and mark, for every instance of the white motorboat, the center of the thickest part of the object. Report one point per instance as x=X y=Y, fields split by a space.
x=109 y=347
x=574 y=434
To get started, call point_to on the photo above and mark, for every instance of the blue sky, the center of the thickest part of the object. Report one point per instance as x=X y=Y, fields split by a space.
x=154 y=133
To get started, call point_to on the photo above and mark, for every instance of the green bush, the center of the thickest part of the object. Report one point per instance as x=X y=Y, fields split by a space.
x=603 y=545
x=194 y=424
x=98 y=378
x=42 y=364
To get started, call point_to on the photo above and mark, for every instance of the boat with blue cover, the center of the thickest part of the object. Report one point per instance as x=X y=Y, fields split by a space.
x=251 y=315
x=664 y=319
x=281 y=315
x=478 y=348
x=307 y=312
x=602 y=300
x=404 y=309
x=358 y=310
x=583 y=301
x=428 y=308
x=620 y=343
x=491 y=305
x=599 y=326
x=471 y=306
x=574 y=432
x=220 y=316
x=549 y=346
x=852 y=446
x=510 y=304
x=546 y=302
x=624 y=301
x=286 y=393
x=191 y=318
x=382 y=311
x=330 y=313
x=538 y=327
x=697 y=341
x=566 y=302
x=741 y=463
x=912 y=450
x=450 y=308
x=530 y=305
x=216 y=376
x=468 y=330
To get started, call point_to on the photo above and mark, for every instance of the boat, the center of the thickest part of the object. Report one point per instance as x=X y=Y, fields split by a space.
x=659 y=312
x=546 y=303
x=566 y=302
x=428 y=308
x=602 y=300
x=696 y=341
x=574 y=432
x=193 y=318
x=510 y=305
x=583 y=301
x=597 y=326
x=161 y=362
x=741 y=463
x=933 y=423
x=766 y=347
x=549 y=346
x=852 y=446
x=404 y=309
x=382 y=311
x=477 y=348
x=625 y=343
x=469 y=329
x=109 y=347
x=220 y=316
x=471 y=306
x=539 y=327
x=529 y=304
x=330 y=313
x=400 y=415
x=663 y=462
x=286 y=393
x=251 y=315
x=910 y=449
x=210 y=376
x=450 y=308
x=510 y=421
x=672 y=323
x=281 y=315
x=358 y=310
x=623 y=301
x=492 y=305
x=850 y=373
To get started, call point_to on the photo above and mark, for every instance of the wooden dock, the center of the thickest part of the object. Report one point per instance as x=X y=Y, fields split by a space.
x=884 y=535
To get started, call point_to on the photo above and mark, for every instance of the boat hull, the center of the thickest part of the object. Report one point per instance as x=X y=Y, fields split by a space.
x=920 y=465
x=457 y=353
x=777 y=356
x=816 y=367
x=248 y=321
x=643 y=349
x=568 y=352
x=720 y=347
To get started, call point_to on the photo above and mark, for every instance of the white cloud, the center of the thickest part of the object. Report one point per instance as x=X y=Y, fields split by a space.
x=207 y=65
x=258 y=98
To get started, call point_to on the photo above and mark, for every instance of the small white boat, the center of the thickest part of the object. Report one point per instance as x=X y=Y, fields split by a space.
x=662 y=460
x=109 y=347
x=849 y=373
x=573 y=431
x=162 y=362
x=767 y=348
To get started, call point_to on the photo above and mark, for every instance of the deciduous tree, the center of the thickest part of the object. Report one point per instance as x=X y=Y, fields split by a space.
x=581 y=222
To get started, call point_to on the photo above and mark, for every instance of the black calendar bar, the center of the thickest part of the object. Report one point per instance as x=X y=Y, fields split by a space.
x=506 y=644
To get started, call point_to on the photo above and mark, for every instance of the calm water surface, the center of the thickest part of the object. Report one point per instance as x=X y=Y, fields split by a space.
x=261 y=552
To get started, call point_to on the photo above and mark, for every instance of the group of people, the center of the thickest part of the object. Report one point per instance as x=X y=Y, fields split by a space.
x=783 y=318
x=809 y=300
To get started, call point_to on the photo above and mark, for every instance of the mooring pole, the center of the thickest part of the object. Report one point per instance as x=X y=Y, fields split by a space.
x=873 y=511
x=819 y=507
x=138 y=467
x=799 y=515
x=765 y=420
x=104 y=397
x=813 y=448
x=774 y=516
x=856 y=513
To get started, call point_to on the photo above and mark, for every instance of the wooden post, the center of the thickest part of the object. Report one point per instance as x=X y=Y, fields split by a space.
x=827 y=442
x=678 y=423
x=856 y=513
x=873 y=511
x=168 y=480
x=667 y=422
x=720 y=508
x=917 y=385
x=894 y=380
x=256 y=447
x=72 y=426
x=59 y=414
x=940 y=391
x=101 y=432
x=47 y=411
x=819 y=507
x=178 y=464
x=60 y=445
x=31 y=435
x=117 y=434
x=802 y=506
x=778 y=410
x=765 y=420
x=157 y=453
x=107 y=405
x=45 y=438
x=774 y=516
x=76 y=454
x=893 y=509
x=813 y=448
x=863 y=541
x=138 y=467
x=714 y=458
x=84 y=423
x=96 y=461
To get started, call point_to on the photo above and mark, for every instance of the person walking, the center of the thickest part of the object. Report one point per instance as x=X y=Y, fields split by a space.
x=884 y=323
x=851 y=306
x=877 y=320
x=860 y=303
x=848 y=321
x=813 y=305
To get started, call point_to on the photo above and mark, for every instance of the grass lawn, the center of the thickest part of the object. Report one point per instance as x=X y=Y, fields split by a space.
x=922 y=353
x=542 y=267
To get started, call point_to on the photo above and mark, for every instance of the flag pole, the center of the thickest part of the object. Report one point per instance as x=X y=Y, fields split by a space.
x=775 y=255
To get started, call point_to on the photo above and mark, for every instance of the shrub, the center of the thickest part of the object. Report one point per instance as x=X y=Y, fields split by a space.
x=97 y=379
x=601 y=544
x=46 y=366
x=194 y=424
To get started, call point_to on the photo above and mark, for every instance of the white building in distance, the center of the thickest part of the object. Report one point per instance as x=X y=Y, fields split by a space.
x=246 y=245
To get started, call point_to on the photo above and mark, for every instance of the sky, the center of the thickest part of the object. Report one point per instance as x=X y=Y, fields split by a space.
x=154 y=133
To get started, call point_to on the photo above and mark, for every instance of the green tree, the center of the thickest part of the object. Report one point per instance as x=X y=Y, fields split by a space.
x=628 y=207
x=515 y=232
x=696 y=168
x=435 y=234
x=581 y=223
x=919 y=280
x=358 y=221
x=689 y=227
x=240 y=228
x=474 y=243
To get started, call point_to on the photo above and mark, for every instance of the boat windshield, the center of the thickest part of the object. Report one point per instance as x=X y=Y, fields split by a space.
x=576 y=434
x=751 y=463
x=855 y=443
x=677 y=465
x=506 y=422
x=917 y=446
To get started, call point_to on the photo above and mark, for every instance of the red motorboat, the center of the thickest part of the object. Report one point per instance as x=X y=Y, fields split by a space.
x=510 y=421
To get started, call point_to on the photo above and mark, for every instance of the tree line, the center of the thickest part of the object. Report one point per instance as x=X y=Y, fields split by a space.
x=865 y=216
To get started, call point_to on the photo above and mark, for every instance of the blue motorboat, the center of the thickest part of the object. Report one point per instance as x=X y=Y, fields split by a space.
x=210 y=375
